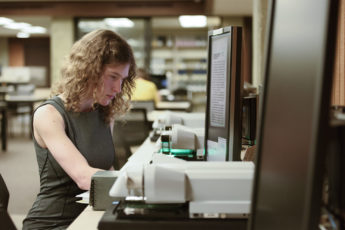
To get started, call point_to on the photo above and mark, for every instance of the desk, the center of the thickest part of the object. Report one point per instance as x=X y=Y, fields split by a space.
x=174 y=105
x=15 y=100
x=193 y=120
x=15 y=84
x=89 y=218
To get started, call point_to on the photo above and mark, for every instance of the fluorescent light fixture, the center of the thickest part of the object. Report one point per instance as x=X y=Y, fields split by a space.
x=88 y=26
x=188 y=21
x=17 y=25
x=119 y=22
x=23 y=35
x=34 y=30
x=4 y=21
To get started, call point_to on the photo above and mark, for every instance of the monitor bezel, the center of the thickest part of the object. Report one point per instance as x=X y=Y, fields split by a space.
x=232 y=132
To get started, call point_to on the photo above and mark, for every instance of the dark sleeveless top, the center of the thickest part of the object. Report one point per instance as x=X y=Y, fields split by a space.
x=55 y=206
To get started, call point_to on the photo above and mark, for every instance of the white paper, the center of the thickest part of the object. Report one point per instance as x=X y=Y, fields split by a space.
x=85 y=197
x=216 y=151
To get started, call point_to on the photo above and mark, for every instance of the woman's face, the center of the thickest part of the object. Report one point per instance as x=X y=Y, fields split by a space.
x=113 y=76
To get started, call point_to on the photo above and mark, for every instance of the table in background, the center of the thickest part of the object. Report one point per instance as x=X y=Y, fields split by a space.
x=174 y=105
x=29 y=100
x=15 y=84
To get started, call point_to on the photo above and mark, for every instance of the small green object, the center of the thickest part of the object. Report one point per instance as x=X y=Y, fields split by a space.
x=165 y=139
x=182 y=151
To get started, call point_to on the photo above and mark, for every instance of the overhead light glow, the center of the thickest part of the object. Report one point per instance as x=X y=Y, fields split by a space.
x=119 y=22
x=17 y=25
x=88 y=26
x=4 y=21
x=35 y=30
x=188 y=21
x=23 y=35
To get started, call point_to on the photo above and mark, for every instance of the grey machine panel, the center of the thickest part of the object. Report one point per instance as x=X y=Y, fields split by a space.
x=294 y=114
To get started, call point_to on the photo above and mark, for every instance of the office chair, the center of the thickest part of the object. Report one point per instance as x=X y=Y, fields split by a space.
x=129 y=131
x=122 y=148
x=180 y=94
x=5 y=219
x=4 y=194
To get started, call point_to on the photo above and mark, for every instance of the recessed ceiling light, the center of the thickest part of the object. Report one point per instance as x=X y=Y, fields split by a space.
x=192 y=21
x=35 y=30
x=119 y=22
x=17 y=25
x=4 y=21
x=23 y=35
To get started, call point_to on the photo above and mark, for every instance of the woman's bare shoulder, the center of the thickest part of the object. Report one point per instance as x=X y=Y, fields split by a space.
x=47 y=113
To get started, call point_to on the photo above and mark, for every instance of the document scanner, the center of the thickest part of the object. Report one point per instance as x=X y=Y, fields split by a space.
x=211 y=189
x=193 y=120
x=184 y=142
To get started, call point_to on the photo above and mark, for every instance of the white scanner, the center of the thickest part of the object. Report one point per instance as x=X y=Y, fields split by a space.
x=212 y=189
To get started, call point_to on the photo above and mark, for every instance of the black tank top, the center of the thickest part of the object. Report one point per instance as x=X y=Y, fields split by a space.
x=55 y=206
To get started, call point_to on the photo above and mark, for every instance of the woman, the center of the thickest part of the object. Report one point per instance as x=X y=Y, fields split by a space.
x=72 y=130
x=145 y=90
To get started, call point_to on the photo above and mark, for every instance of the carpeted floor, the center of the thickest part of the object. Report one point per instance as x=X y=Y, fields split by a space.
x=19 y=169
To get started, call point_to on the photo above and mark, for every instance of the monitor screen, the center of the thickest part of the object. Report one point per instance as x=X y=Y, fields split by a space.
x=223 y=111
x=160 y=80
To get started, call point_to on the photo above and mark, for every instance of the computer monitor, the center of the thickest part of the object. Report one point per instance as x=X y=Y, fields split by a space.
x=160 y=80
x=224 y=85
x=294 y=115
x=249 y=114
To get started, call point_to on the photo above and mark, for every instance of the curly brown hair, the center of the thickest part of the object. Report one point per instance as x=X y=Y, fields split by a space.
x=84 y=66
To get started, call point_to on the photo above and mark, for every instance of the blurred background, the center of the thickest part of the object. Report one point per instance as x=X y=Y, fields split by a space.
x=36 y=35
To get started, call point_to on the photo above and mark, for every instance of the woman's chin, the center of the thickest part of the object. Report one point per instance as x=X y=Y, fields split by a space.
x=104 y=102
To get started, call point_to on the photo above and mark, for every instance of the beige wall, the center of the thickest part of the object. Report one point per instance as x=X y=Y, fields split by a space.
x=259 y=34
x=62 y=38
x=232 y=21
x=3 y=53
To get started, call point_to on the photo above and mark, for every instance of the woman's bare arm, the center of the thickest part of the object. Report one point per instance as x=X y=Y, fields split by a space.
x=49 y=131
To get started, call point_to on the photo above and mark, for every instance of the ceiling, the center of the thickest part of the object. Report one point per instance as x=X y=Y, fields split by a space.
x=43 y=21
x=225 y=8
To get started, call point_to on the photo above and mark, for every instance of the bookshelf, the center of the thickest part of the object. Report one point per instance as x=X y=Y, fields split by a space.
x=183 y=58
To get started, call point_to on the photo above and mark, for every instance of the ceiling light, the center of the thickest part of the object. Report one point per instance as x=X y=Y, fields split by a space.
x=119 y=22
x=192 y=21
x=90 y=25
x=17 y=25
x=35 y=30
x=23 y=35
x=4 y=21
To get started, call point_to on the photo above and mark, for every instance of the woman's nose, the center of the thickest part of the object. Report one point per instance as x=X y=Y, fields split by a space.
x=117 y=86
